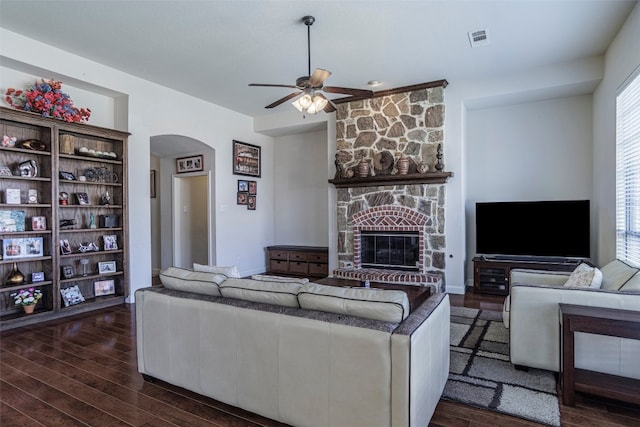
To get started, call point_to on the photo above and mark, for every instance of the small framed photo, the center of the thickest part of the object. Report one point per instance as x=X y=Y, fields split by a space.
x=104 y=287
x=38 y=223
x=251 y=203
x=246 y=159
x=190 y=164
x=12 y=196
x=67 y=176
x=83 y=198
x=242 y=199
x=243 y=186
x=22 y=247
x=71 y=295
x=67 y=271
x=110 y=242
x=37 y=276
x=106 y=267
x=65 y=247
x=253 y=188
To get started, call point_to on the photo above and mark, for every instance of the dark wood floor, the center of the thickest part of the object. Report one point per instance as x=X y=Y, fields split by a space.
x=82 y=371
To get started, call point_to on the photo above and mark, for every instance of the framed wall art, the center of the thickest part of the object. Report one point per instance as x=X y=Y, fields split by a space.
x=152 y=190
x=190 y=164
x=251 y=203
x=247 y=159
x=253 y=188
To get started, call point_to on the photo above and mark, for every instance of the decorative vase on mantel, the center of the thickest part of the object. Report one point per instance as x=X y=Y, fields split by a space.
x=29 y=309
x=363 y=168
x=15 y=276
x=403 y=165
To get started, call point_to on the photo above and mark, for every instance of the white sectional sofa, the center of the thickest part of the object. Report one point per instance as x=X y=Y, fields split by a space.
x=299 y=353
x=532 y=315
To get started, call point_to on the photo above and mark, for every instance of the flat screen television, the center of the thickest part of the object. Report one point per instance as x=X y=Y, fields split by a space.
x=558 y=229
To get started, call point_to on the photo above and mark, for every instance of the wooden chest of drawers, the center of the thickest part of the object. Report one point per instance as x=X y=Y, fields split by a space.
x=309 y=261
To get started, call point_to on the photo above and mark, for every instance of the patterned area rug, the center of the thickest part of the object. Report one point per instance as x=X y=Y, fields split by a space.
x=481 y=374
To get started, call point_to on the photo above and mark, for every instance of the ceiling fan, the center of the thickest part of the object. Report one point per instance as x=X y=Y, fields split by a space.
x=309 y=87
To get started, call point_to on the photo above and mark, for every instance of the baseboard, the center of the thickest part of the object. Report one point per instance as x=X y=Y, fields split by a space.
x=459 y=289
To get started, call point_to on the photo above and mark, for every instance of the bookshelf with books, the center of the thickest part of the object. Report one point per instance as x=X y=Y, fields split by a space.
x=70 y=225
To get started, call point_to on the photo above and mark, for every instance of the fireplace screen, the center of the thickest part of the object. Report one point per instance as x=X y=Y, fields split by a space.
x=390 y=250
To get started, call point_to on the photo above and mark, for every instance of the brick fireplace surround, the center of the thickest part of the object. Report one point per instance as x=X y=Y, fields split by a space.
x=408 y=122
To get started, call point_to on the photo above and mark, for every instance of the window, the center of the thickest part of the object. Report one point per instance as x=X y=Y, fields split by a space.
x=628 y=172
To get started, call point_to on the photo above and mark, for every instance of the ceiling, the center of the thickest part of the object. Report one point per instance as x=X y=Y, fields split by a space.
x=213 y=49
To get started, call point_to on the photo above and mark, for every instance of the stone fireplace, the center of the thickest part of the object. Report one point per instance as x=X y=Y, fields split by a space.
x=404 y=208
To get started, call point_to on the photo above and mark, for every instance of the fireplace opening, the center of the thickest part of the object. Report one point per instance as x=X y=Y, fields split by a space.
x=390 y=250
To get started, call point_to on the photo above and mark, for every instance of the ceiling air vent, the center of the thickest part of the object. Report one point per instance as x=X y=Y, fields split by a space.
x=478 y=38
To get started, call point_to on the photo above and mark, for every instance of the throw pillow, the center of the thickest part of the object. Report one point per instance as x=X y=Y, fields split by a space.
x=275 y=293
x=584 y=276
x=616 y=274
x=378 y=304
x=197 y=282
x=230 y=271
x=267 y=278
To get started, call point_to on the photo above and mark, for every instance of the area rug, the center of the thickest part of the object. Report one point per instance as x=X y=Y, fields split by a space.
x=481 y=375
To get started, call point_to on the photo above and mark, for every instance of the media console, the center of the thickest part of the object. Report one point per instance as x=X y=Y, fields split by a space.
x=491 y=274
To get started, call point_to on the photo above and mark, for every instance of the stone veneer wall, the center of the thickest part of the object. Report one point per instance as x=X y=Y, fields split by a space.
x=411 y=123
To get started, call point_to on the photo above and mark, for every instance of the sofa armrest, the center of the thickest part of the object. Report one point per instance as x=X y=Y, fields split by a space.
x=538 y=277
x=535 y=324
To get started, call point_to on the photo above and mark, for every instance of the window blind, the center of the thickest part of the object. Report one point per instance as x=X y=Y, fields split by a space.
x=628 y=173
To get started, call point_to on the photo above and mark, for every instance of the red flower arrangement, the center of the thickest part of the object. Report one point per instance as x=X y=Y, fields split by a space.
x=48 y=99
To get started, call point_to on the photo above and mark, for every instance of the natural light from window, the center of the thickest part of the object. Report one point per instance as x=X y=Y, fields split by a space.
x=628 y=171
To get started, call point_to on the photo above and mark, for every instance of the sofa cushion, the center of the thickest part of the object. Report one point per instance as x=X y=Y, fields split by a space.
x=275 y=293
x=197 y=282
x=616 y=274
x=230 y=271
x=632 y=284
x=584 y=276
x=267 y=278
x=378 y=304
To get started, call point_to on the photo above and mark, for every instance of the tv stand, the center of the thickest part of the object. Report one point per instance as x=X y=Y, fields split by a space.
x=491 y=273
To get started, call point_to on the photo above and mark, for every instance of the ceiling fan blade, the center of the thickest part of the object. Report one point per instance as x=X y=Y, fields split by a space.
x=318 y=77
x=272 y=85
x=348 y=91
x=330 y=107
x=281 y=100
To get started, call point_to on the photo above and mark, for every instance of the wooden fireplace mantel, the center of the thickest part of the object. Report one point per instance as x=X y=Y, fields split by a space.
x=373 y=181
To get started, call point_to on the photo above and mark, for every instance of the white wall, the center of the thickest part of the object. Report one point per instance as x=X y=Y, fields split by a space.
x=622 y=58
x=155 y=110
x=300 y=181
x=532 y=151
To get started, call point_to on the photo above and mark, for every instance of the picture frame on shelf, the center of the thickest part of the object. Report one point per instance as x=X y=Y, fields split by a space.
x=32 y=197
x=12 y=221
x=71 y=295
x=253 y=188
x=23 y=247
x=106 y=267
x=104 y=287
x=110 y=242
x=190 y=164
x=38 y=223
x=82 y=198
x=67 y=271
x=12 y=196
x=37 y=276
x=65 y=247
x=251 y=203
x=247 y=159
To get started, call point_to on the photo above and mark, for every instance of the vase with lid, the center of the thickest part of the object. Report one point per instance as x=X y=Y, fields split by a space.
x=363 y=168
x=403 y=165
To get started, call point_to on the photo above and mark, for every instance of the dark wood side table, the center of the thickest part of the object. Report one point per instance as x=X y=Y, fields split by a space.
x=601 y=321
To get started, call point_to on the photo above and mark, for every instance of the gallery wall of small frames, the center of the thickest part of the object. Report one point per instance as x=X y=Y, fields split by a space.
x=247 y=193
